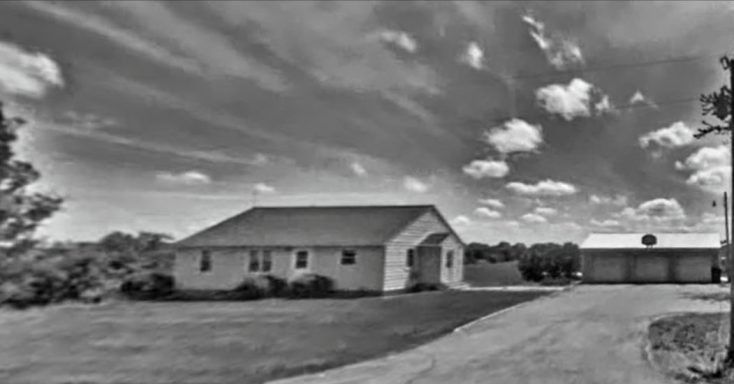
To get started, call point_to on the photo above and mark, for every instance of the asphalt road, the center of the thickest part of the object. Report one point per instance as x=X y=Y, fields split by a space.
x=590 y=334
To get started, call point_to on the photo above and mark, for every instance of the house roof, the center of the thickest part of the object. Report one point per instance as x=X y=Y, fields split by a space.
x=664 y=240
x=310 y=226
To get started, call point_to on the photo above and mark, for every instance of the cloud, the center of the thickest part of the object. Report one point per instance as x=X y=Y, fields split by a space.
x=639 y=98
x=515 y=136
x=660 y=209
x=188 y=178
x=479 y=169
x=619 y=200
x=400 y=39
x=415 y=185
x=492 y=203
x=705 y=158
x=560 y=51
x=604 y=105
x=543 y=188
x=711 y=168
x=25 y=73
x=676 y=135
x=263 y=188
x=488 y=213
x=337 y=45
x=214 y=51
x=358 y=169
x=546 y=211
x=460 y=220
x=609 y=223
x=533 y=218
x=573 y=100
x=473 y=56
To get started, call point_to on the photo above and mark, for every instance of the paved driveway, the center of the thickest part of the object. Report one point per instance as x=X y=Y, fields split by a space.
x=591 y=334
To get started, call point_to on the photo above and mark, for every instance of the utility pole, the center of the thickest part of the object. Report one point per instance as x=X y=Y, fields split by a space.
x=726 y=231
x=729 y=66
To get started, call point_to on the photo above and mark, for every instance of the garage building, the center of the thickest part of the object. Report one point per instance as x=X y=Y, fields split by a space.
x=650 y=258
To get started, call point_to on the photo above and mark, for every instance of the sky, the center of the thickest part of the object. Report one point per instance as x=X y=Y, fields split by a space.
x=529 y=121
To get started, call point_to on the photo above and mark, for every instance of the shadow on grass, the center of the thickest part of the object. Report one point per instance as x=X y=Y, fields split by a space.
x=711 y=296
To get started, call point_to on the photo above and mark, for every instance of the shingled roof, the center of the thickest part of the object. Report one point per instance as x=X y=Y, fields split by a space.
x=310 y=226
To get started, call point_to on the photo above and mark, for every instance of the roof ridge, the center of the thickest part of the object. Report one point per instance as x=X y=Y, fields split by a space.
x=346 y=206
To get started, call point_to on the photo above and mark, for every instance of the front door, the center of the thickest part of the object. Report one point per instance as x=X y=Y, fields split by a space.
x=429 y=264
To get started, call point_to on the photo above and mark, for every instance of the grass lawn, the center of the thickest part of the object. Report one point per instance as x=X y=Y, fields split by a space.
x=691 y=347
x=483 y=274
x=225 y=342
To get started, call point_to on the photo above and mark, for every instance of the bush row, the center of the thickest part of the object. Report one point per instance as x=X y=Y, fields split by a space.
x=156 y=286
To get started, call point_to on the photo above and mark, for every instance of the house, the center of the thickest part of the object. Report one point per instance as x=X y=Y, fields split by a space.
x=378 y=248
x=650 y=258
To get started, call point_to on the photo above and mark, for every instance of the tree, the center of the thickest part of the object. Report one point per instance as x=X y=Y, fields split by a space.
x=21 y=211
x=720 y=104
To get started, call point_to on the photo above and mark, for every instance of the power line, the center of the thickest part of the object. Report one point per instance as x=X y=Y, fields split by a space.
x=671 y=60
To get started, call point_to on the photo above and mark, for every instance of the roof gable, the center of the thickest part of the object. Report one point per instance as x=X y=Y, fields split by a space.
x=664 y=240
x=309 y=226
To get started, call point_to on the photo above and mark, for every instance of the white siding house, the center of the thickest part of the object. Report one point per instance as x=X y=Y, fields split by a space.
x=376 y=248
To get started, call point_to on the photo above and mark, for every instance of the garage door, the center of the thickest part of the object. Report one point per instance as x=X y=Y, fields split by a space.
x=609 y=269
x=693 y=269
x=650 y=269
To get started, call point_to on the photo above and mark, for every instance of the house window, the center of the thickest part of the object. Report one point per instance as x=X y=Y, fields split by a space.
x=254 y=261
x=301 y=259
x=349 y=257
x=410 y=257
x=267 y=265
x=205 y=261
x=449 y=259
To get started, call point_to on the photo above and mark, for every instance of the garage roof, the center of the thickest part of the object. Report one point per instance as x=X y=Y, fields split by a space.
x=664 y=240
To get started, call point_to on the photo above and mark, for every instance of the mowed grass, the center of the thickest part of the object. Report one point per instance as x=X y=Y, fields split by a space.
x=483 y=274
x=225 y=342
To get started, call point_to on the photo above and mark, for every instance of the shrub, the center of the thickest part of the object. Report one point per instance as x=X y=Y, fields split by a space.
x=148 y=286
x=310 y=285
x=277 y=287
x=42 y=281
x=423 y=287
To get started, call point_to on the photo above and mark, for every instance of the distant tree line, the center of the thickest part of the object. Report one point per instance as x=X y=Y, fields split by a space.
x=541 y=261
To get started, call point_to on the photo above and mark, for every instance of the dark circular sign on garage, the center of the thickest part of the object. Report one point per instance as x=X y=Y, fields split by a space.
x=649 y=240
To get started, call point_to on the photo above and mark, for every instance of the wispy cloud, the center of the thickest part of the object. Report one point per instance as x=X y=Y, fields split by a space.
x=546 y=211
x=400 y=39
x=542 y=188
x=114 y=33
x=189 y=177
x=515 y=136
x=415 y=185
x=608 y=223
x=358 y=169
x=560 y=51
x=639 y=98
x=487 y=213
x=492 y=203
x=480 y=169
x=619 y=200
x=26 y=73
x=461 y=220
x=533 y=218
x=263 y=188
x=473 y=56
